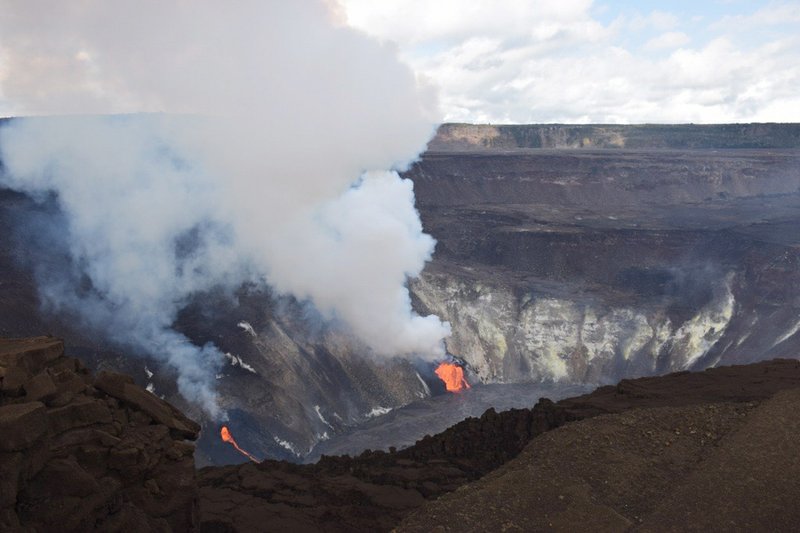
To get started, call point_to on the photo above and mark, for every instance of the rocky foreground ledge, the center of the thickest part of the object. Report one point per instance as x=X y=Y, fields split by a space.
x=708 y=467
x=83 y=453
x=618 y=454
x=716 y=450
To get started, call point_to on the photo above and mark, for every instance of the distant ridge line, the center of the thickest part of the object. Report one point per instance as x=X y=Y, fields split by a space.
x=470 y=137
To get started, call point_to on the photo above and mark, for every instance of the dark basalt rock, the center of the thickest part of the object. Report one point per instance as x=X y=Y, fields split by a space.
x=123 y=388
x=374 y=491
x=728 y=466
x=79 y=453
x=22 y=425
x=371 y=492
x=100 y=454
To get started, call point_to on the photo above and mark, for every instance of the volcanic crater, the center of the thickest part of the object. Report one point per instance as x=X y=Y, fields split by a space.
x=568 y=256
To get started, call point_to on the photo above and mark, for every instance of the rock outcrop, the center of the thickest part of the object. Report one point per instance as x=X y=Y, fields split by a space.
x=374 y=491
x=81 y=453
x=707 y=467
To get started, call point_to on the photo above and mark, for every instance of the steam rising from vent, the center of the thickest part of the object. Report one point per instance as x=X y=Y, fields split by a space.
x=269 y=165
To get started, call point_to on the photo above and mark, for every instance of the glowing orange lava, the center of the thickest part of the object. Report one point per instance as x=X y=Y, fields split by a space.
x=227 y=437
x=453 y=377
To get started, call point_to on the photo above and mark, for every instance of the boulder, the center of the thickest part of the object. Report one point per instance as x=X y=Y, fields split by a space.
x=21 y=425
x=81 y=412
x=11 y=466
x=41 y=387
x=12 y=380
x=122 y=387
x=32 y=353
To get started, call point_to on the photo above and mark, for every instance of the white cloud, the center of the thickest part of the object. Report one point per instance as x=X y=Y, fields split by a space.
x=527 y=61
x=415 y=21
x=668 y=40
x=771 y=15
x=657 y=20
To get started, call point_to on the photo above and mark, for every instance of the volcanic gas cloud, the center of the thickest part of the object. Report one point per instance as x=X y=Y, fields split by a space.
x=269 y=155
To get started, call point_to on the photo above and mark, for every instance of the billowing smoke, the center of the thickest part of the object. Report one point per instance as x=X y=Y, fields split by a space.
x=262 y=156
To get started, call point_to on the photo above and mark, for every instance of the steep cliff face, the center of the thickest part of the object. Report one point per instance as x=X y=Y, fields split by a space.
x=540 y=331
x=592 y=265
x=507 y=338
x=291 y=380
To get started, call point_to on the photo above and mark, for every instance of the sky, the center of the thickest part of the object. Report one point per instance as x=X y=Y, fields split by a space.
x=567 y=61
x=583 y=61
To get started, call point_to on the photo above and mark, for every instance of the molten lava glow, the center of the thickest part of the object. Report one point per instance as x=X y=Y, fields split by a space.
x=227 y=437
x=453 y=377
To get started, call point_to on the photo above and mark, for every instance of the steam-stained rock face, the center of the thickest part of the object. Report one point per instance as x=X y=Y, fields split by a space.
x=79 y=453
x=508 y=339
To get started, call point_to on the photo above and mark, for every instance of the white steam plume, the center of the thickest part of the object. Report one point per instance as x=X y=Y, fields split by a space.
x=268 y=164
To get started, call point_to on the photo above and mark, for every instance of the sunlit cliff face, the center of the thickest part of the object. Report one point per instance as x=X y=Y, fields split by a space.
x=505 y=340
